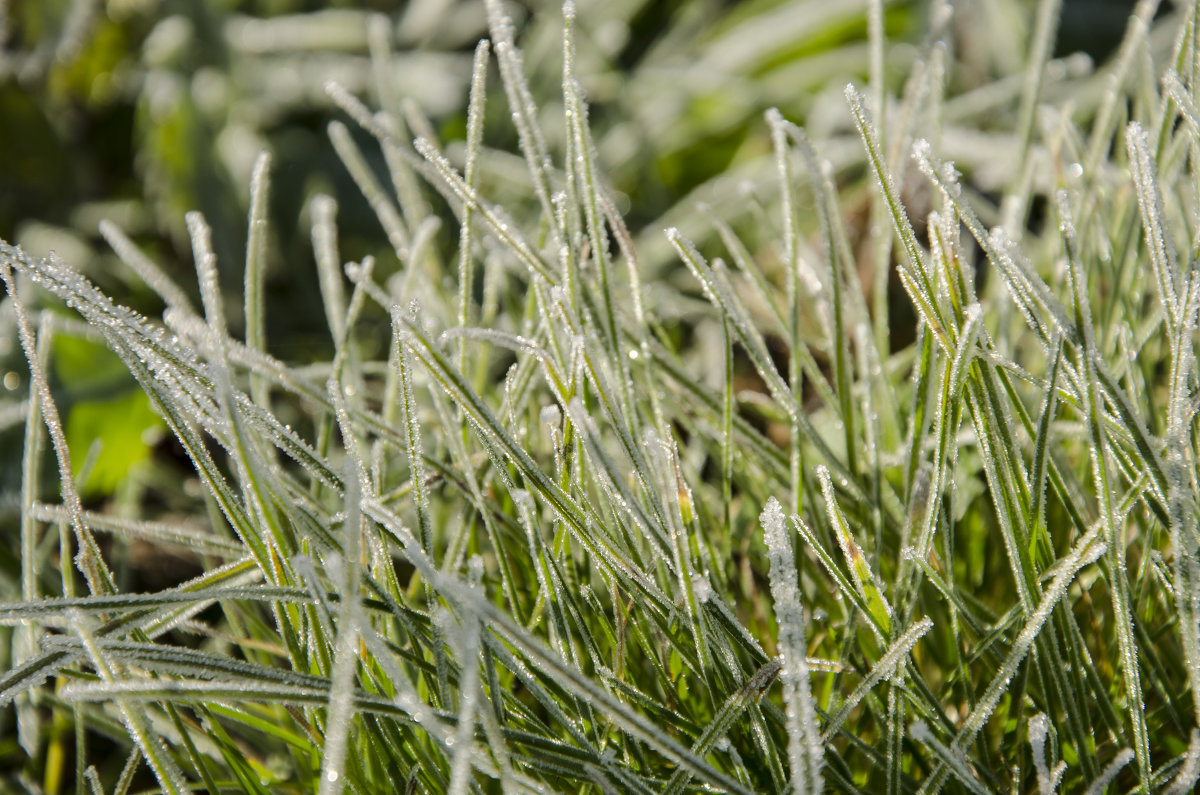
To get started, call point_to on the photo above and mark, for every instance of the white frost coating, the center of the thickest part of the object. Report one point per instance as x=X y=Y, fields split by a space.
x=256 y=248
x=381 y=204
x=412 y=427
x=721 y=295
x=524 y=109
x=466 y=268
x=1181 y=520
x=466 y=634
x=323 y=211
x=1190 y=772
x=922 y=152
x=805 y=749
x=504 y=339
x=1110 y=772
x=1162 y=254
x=920 y=732
x=942 y=16
x=137 y=723
x=550 y=415
x=344 y=571
x=88 y=559
x=206 y=272
x=1039 y=728
x=944 y=174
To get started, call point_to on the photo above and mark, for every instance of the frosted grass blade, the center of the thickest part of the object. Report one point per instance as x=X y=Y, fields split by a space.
x=88 y=558
x=466 y=266
x=381 y=204
x=886 y=667
x=256 y=252
x=805 y=747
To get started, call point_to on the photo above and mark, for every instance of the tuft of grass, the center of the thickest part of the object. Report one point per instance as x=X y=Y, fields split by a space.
x=555 y=517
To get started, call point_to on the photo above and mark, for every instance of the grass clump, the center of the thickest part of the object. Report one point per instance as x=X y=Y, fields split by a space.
x=555 y=518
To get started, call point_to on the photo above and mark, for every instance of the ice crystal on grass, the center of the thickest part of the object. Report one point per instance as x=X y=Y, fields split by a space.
x=1047 y=779
x=1189 y=772
x=1100 y=784
x=805 y=748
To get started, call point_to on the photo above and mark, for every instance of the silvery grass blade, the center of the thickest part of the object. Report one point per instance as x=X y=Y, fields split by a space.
x=1022 y=280
x=861 y=573
x=88 y=559
x=26 y=641
x=340 y=715
x=1041 y=447
x=180 y=536
x=203 y=690
x=524 y=112
x=848 y=308
x=730 y=711
x=466 y=264
x=146 y=269
x=1107 y=116
x=1033 y=296
x=1047 y=779
x=58 y=607
x=741 y=257
x=1189 y=772
x=585 y=170
x=1144 y=171
x=501 y=227
x=249 y=466
x=701 y=400
x=1042 y=41
x=791 y=257
x=844 y=583
x=1180 y=494
x=155 y=361
x=404 y=181
x=368 y=185
x=1100 y=784
x=323 y=213
x=256 y=267
x=805 y=747
x=389 y=129
x=951 y=758
x=912 y=270
x=188 y=663
x=811 y=371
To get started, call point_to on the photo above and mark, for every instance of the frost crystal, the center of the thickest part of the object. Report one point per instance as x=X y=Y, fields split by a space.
x=805 y=750
x=1039 y=727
